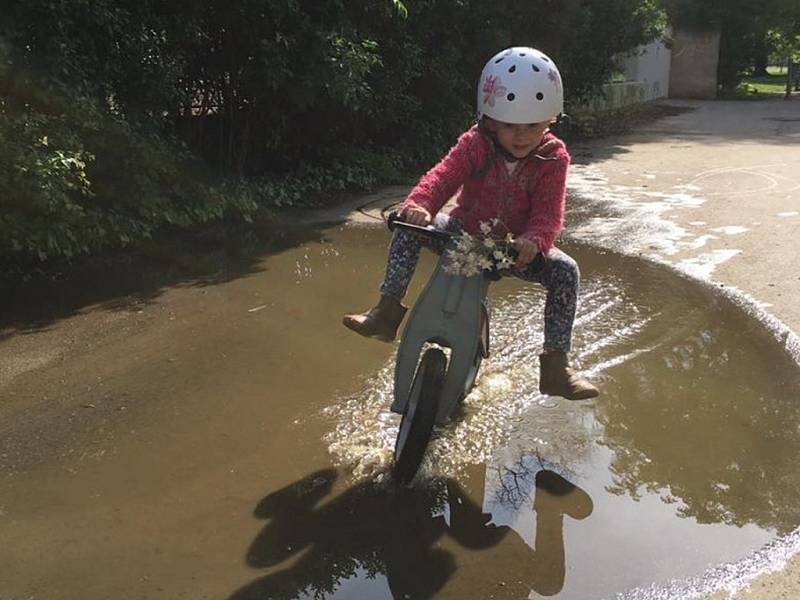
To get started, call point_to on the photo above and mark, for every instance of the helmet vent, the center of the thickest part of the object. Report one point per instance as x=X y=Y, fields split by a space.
x=519 y=85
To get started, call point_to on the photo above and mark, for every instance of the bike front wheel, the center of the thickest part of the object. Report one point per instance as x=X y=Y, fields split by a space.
x=418 y=420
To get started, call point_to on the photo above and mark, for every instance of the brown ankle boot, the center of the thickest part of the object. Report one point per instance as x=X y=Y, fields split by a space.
x=380 y=322
x=556 y=378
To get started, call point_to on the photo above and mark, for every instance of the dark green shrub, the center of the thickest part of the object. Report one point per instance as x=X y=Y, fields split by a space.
x=105 y=103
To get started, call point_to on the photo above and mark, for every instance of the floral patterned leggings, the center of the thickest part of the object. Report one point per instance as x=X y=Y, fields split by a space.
x=558 y=273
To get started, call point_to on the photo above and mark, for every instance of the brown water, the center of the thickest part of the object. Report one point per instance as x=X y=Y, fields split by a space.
x=228 y=438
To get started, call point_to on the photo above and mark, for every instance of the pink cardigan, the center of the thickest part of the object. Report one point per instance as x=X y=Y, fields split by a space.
x=529 y=202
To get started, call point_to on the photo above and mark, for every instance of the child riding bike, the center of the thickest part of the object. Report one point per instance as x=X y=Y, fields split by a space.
x=509 y=173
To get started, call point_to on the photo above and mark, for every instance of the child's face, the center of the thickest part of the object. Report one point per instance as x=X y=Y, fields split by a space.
x=519 y=140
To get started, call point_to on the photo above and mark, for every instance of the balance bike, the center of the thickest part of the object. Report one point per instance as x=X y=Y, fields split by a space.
x=449 y=327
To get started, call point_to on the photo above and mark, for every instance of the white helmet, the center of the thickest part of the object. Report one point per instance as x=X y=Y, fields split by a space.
x=520 y=85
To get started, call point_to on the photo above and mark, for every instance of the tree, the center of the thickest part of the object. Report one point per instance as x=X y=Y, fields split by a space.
x=292 y=96
x=747 y=28
x=784 y=37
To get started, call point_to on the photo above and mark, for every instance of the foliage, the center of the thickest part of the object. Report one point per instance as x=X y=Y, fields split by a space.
x=76 y=180
x=106 y=102
x=758 y=88
x=42 y=181
x=748 y=29
x=307 y=185
x=696 y=14
x=784 y=35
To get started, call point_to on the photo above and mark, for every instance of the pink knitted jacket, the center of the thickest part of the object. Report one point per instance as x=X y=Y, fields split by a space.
x=529 y=202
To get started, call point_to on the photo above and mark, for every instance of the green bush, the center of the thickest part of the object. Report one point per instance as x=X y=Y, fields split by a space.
x=310 y=184
x=79 y=182
x=120 y=117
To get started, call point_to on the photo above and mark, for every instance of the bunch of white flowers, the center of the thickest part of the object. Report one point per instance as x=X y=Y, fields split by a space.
x=474 y=253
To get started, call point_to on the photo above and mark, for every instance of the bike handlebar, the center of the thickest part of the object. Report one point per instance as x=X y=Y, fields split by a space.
x=395 y=220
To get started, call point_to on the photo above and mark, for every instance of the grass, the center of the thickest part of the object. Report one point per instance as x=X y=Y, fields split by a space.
x=769 y=86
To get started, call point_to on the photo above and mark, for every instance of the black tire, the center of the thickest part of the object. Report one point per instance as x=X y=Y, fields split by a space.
x=419 y=417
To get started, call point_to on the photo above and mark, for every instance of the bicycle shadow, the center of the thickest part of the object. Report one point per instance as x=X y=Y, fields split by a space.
x=370 y=530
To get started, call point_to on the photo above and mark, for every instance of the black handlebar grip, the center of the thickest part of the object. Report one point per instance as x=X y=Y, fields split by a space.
x=394 y=216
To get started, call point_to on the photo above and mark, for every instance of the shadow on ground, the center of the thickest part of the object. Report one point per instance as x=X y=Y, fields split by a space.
x=371 y=530
x=128 y=279
x=690 y=123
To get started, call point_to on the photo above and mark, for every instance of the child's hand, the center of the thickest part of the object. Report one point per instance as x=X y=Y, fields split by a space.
x=526 y=252
x=416 y=215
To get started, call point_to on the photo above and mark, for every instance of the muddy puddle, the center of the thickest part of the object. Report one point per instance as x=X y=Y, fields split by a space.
x=251 y=458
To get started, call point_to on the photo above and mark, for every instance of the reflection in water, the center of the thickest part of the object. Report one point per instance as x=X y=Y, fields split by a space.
x=694 y=434
x=720 y=457
x=371 y=530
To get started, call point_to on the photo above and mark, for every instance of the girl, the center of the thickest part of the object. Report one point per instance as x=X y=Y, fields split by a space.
x=508 y=170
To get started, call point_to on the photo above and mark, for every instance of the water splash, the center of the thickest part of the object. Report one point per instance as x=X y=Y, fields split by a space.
x=505 y=404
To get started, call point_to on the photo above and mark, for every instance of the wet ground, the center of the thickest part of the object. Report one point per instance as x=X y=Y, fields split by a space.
x=215 y=432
